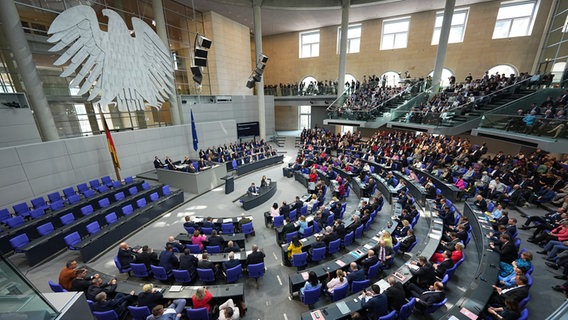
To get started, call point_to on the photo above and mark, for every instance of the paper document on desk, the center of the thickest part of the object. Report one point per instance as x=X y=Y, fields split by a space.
x=468 y=314
x=227 y=220
x=413 y=267
x=197 y=220
x=368 y=246
x=343 y=308
x=383 y=285
x=175 y=288
x=249 y=252
x=340 y=263
x=238 y=256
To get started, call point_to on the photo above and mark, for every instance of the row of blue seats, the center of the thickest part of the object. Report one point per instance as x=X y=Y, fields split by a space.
x=55 y=201
x=21 y=240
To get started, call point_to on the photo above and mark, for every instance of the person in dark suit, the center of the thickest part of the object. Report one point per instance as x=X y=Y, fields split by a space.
x=318 y=244
x=507 y=250
x=148 y=257
x=395 y=294
x=232 y=247
x=97 y=286
x=298 y=204
x=329 y=235
x=263 y=182
x=216 y=240
x=150 y=296
x=447 y=216
x=170 y=163
x=168 y=259
x=118 y=304
x=204 y=263
x=231 y=263
x=285 y=209
x=449 y=245
x=374 y=303
x=208 y=223
x=158 y=163
x=288 y=228
x=81 y=282
x=480 y=203
x=516 y=293
x=172 y=242
x=188 y=262
x=190 y=224
x=427 y=298
x=125 y=255
x=368 y=189
x=407 y=241
x=446 y=264
x=252 y=189
x=255 y=256
x=425 y=275
x=355 y=274
x=370 y=261
x=383 y=253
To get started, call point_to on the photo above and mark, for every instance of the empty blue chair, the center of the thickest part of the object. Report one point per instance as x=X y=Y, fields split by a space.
x=67 y=219
x=206 y=275
x=107 y=181
x=318 y=254
x=21 y=209
x=45 y=229
x=103 y=203
x=207 y=231
x=119 y=196
x=304 y=210
x=89 y=193
x=132 y=191
x=524 y=314
x=290 y=235
x=145 y=186
x=278 y=222
x=57 y=205
x=141 y=203
x=39 y=203
x=182 y=276
x=82 y=187
x=334 y=246
x=55 y=196
x=359 y=232
x=139 y=270
x=94 y=183
x=93 y=227
x=15 y=222
x=139 y=313
x=19 y=241
x=160 y=273
x=358 y=286
x=197 y=314
x=111 y=218
x=87 y=210
x=445 y=279
x=255 y=271
x=311 y=296
x=228 y=228
x=120 y=268
x=435 y=306
x=213 y=249
x=166 y=190
x=374 y=270
x=309 y=231
x=193 y=248
x=55 y=287
x=154 y=196
x=74 y=199
x=300 y=260
x=391 y=316
x=102 y=188
x=72 y=239
x=292 y=215
x=126 y=210
x=407 y=309
x=4 y=215
x=329 y=221
x=36 y=213
x=116 y=184
x=340 y=292
x=128 y=180
x=234 y=274
x=106 y=315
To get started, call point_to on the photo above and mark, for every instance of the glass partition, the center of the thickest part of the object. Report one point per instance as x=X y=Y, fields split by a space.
x=20 y=298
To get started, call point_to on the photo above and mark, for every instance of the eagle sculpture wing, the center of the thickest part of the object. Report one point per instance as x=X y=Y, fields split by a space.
x=77 y=29
x=156 y=63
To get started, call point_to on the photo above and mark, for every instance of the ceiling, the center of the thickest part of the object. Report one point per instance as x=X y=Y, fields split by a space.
x=281 y=16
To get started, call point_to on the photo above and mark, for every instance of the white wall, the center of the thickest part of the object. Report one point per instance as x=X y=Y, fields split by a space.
x=17 y=126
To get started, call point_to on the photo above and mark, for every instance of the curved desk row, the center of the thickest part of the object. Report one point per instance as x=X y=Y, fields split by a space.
x=416 y=189
x=218 y=222
x=351 y=304
x=29 y=227
x=93 y=245
x=252 y=201
x=448 y=190
x=253 y=166
x=42 y=248
x=239 y=238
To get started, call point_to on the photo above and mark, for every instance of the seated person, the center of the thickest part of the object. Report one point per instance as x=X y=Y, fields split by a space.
x=118 y=304
x=172 y=242
x=231 y=263
x=148 y=257
x=172 y=312
x=216 y=240
x=407 y=241
x=158 y=163
x=232 y=247
x=252 y=190
x=426 y=298
x=229 y=311
x=125 y=255
x=81 y=281
x=168 y=260
x=150 y=296
x=446 y=264
x=97 y=287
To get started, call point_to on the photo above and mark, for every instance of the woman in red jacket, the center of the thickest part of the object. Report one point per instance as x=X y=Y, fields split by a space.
x=201 y=299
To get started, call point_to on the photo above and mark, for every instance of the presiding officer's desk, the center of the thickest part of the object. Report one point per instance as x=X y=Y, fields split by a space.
x=95 y=244
x=42 y=248
x=264 y=193
x=196 y=183
x=425 y=247
x=480 y=289
x=29 y=228
x=449 y=191
x=253 y=166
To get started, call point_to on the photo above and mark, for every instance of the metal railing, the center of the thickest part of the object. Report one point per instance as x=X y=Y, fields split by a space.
x=539 y=126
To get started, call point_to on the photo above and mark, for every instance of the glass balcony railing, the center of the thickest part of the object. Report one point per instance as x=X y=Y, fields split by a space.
x=553 y=128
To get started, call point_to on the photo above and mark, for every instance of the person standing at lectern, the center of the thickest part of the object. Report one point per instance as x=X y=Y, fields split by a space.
x=263 y=182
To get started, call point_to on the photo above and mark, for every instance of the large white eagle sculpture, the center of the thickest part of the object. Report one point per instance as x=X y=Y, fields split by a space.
x=113 y=65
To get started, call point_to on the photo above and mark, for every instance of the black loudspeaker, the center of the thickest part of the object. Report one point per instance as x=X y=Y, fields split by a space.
x=197 y=76
x=257 y=77
x=250 y=83
x=200 y=62
x=263 y=58
x=199 y=53
x=203 y=42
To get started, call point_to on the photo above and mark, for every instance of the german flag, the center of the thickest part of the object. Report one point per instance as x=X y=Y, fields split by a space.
x=110 y=143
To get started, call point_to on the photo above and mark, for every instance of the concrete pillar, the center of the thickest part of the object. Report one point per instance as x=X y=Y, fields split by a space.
x=158 y=9
x=258 y=51
x=19 y=46
x=343 y=45
x=443 y=44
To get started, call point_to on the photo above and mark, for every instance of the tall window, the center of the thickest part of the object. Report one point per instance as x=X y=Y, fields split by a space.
x=457 y=30
x=392 y=78
x=305 y=117
x=557 y=71
x=309 y=44
x=505 y=69
x=445 y=77
x=395 y=33
x=353 y=38
x=515 y=19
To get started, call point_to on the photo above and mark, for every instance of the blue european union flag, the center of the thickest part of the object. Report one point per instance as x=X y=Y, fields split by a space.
x=194 y=133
